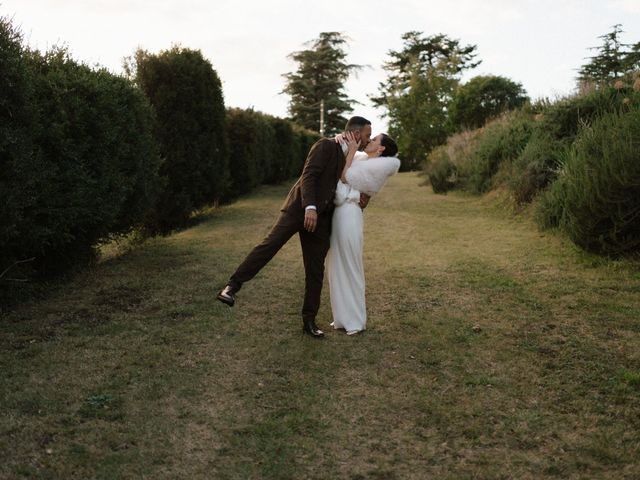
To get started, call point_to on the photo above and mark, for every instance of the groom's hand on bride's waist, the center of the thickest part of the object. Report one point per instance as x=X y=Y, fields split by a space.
x=310 y=219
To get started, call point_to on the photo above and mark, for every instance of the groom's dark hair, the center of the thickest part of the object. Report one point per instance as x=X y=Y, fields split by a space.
x=356 y=123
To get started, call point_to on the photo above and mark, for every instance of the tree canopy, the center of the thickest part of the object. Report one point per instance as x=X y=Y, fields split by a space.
x=421 y=81
x=612 y=61
x=186 y=94
x=484 y=97
x=321 y=75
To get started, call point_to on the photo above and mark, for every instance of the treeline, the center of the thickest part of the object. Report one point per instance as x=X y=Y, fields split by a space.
x=86 y=155
x=575 y=160
x=425 y=101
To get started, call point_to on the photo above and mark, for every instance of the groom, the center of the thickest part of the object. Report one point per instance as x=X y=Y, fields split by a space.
x=307 y=211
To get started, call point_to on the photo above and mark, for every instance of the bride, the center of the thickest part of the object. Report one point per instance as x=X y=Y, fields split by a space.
x=364 y=172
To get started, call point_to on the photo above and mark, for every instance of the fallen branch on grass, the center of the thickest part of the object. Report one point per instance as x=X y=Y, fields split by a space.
x=13 y=265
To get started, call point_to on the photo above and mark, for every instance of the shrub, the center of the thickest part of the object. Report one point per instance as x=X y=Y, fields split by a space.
x=186 y=95
x=263 y=149
x=441 y=171
x=536 y=167
x=100 y=163
x=596 y=200
x=19 y=165
x=91 y=167
x=501 y=142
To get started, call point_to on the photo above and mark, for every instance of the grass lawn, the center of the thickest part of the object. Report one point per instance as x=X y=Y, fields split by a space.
x=493 y=351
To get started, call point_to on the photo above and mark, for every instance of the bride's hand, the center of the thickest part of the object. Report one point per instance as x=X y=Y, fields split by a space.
x=352 y=143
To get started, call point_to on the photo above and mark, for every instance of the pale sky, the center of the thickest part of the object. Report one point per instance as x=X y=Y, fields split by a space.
x=539 y=43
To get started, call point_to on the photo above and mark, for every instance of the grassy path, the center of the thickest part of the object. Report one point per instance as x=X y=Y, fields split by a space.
x=493 y=351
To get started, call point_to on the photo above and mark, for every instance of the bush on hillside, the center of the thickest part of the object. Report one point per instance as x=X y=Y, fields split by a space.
x=563 y=120
x=500 y=143
x=554 y=132
x=441 y=170
x=482 y=98
x=549 y=210
x=536 y=167
x=596 y=200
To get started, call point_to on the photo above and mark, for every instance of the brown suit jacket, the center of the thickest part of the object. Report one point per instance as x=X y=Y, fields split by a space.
x=317 y=184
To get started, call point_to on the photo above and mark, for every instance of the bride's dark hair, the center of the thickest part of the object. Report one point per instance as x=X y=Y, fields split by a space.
x=390 y=146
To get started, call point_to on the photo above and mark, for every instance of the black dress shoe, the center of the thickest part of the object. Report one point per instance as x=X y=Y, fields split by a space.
x=309 y=327
x=227 y=296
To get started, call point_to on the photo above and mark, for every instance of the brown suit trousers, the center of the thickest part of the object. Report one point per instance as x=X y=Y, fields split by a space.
x=316 y=186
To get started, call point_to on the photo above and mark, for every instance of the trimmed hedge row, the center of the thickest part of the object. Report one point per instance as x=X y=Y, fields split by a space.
x=79 y=163
x=264 y=149
x=86 y=155
x=186 y=95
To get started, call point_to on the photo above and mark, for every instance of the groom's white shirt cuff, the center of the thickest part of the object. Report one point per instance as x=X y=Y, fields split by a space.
x=310 y=207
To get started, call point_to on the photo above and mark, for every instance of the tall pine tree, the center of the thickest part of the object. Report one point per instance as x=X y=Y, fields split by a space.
x=607 y=65
x=614 y=60
x=321 y=75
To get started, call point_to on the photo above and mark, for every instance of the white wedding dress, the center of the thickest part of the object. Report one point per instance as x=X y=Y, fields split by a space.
x=344 y=263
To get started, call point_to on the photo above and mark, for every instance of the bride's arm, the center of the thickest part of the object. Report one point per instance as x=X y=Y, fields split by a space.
x=353 y=148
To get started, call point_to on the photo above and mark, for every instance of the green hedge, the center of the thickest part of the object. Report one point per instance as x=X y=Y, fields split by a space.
x=186 y=95
x=19 y=166
x=264 y=149
x=86 y=155
x=246 y=154
x=80 y=164
x=95 y=141
x=303 y=140
x=285 y=153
